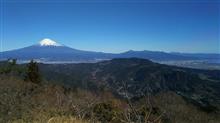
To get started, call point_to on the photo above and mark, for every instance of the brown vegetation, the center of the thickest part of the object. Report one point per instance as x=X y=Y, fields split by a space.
x=25 y=102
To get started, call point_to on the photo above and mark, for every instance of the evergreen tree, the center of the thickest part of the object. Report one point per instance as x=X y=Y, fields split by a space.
x=14 y=62
x=33 y=74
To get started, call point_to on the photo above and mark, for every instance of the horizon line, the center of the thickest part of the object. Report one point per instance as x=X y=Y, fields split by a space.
x=134 y=50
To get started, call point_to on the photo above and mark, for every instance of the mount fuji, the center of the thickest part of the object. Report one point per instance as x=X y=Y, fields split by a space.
x=49 y=42
x=50 y=51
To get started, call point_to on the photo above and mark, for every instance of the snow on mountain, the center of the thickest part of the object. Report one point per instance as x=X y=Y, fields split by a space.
x=49 y=42
x=50 y=50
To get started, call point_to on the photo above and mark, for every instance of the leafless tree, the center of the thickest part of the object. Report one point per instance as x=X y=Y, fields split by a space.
x=133 y=110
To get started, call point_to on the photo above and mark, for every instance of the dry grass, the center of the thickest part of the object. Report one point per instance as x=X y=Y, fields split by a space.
x=179 y=111
x=25 y=102
x=60 y=119
x=65 y=120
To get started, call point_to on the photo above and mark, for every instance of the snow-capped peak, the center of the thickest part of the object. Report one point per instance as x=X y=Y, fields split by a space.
x=49 y=42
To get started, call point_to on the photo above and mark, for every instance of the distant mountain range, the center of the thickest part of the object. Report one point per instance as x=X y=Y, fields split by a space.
x=50 y=51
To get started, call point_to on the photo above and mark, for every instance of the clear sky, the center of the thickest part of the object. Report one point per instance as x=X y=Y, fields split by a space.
x=113 y=25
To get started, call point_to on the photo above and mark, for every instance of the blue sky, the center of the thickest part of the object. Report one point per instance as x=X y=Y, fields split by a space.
x=113 y=25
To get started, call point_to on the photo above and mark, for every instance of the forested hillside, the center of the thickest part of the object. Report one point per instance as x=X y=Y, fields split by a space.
x=116 y=91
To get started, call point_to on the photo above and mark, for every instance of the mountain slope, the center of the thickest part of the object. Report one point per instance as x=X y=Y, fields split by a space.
x=140 y=77
x=154 y=55
x=26 y=102
x=173 y=94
